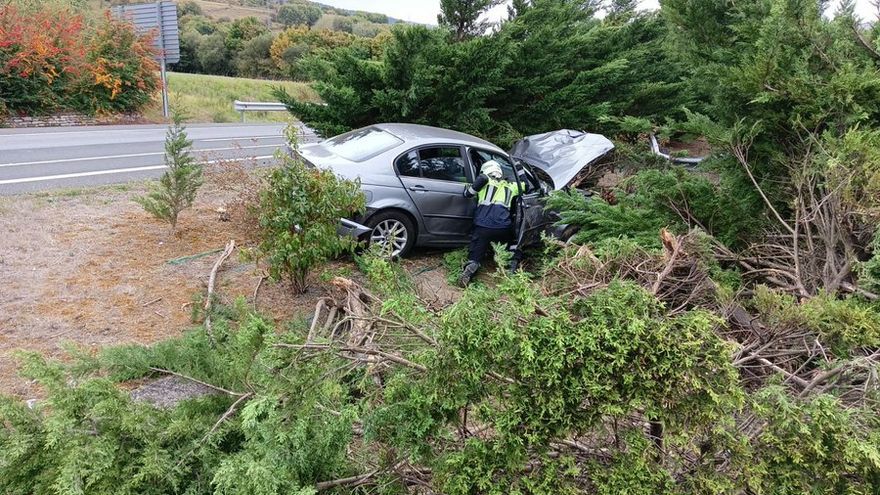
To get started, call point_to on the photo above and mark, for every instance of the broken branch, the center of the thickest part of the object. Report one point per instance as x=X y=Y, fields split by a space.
x=230 y=246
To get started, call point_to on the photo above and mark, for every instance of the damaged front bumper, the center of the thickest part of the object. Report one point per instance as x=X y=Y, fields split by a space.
x=351 y=228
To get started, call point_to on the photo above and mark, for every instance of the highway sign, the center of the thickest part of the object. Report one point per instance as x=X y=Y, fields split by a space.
x=159 y=18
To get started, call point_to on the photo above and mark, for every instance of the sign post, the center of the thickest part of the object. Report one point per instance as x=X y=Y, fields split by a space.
x=161 y=18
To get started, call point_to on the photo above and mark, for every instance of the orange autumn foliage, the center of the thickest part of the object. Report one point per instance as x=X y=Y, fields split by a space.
x=53 y=60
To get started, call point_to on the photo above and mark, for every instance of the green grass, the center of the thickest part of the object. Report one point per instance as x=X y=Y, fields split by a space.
x=205 y=98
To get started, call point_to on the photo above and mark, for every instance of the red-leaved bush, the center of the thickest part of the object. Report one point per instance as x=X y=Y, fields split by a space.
x=53 y=61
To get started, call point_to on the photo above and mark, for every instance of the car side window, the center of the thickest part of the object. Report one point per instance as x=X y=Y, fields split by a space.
x=443 y=163
x=479 y=157
x=408 y=165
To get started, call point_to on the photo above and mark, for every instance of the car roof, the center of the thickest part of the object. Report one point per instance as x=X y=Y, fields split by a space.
x=411 y=133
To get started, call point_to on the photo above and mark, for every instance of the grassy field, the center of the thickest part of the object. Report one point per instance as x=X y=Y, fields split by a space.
x=224 y=10
x=206 y=98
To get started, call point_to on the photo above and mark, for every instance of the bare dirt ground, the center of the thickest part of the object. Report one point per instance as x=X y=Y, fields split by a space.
x=91 y=268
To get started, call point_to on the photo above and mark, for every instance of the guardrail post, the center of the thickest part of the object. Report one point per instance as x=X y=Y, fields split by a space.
x=257 y=106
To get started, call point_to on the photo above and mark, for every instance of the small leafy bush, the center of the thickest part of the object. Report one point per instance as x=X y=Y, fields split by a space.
x=299 y=212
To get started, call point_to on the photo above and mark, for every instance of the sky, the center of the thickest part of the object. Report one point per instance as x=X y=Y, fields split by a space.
x=425 y=11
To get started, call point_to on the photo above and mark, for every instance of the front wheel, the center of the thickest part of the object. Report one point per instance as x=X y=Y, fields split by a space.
x=393 y=232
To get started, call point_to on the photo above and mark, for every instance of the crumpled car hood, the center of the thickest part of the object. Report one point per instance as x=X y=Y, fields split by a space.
x=561 y=154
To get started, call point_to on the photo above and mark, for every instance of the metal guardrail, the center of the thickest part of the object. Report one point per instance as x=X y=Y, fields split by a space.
x=655 y=147
x=257 y=106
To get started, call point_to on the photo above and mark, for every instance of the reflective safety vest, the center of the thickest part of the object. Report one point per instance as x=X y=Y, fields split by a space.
x=497 y=192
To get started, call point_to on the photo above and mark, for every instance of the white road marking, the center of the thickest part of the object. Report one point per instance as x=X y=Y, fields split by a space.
x=119 y=171
x=244 y=138
x=151 y=129
x=130 y=155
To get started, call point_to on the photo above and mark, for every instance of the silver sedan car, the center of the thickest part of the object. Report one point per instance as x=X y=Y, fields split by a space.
x=414 y=176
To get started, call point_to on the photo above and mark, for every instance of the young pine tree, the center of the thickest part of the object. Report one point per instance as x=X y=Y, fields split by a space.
x=178 y=186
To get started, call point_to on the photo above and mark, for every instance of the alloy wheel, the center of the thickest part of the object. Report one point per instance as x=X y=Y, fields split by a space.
x=390 y=235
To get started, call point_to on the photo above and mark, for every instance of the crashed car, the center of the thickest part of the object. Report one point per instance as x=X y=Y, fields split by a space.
x=414 y=176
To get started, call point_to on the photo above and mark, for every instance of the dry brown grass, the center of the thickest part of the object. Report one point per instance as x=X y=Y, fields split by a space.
x=90 y=267
x=85 y=266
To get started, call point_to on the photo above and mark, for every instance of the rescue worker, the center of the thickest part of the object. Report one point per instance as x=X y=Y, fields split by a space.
x=492 y=219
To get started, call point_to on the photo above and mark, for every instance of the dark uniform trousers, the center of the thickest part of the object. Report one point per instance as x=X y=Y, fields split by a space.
x=482 y=237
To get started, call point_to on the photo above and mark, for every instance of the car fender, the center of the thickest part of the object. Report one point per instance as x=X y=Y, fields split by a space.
x=391 y=203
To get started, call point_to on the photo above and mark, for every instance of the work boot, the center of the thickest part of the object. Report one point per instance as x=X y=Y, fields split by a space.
x=514 y=267
x=470 y=269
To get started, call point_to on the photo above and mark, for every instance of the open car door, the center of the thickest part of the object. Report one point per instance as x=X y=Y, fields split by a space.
x=531 y=218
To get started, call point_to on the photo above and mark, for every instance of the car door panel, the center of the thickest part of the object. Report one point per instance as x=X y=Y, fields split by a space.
x=441 y=203
x=534 y=219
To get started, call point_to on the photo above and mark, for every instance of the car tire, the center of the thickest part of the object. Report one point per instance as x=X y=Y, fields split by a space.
x=394 y=229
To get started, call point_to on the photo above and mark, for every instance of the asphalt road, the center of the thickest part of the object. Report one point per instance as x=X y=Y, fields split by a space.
x=49 y=158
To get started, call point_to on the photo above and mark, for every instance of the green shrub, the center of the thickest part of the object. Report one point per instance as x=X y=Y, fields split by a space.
x=674 y=198
x=89 y=436
x=814 y=446
x=569 y=366
x=530 y=75
x=597 y=220
x=299 y=213
x=842 y=324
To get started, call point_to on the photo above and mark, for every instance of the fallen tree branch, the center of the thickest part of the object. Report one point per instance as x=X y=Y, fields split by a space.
x=363 y=350
x=350 y=481
x=319 y=307
x=739 y=152
x=864 y=42
x=673 y=246
x=229 y=412
x=226 y=415
x=257 y=290
x=827 y=375
x=230 y=246
x=194 y=380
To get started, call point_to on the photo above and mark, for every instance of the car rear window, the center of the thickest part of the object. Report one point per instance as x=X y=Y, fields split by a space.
x=362 y=144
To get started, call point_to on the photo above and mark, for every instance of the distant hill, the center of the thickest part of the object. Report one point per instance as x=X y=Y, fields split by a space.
x=220 y=9
x=264 y=9
x=368 y=23
x=391 y=20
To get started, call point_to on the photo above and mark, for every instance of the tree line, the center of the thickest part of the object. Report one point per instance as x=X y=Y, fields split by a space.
x=268 y=48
